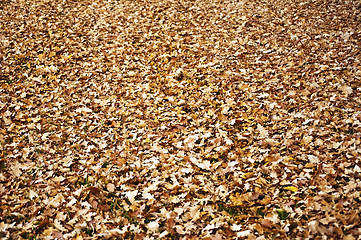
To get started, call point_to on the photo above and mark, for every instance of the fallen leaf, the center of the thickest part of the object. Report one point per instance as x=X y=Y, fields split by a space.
x=110 y=187
x=292 y=189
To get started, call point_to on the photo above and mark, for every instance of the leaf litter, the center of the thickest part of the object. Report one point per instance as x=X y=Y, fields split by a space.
x=180 y=119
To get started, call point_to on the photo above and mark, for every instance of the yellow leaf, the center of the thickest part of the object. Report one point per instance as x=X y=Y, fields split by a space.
x=163 y=119
x=247 y=175
x=292 y=189
x=41 y=56
x=236 y=199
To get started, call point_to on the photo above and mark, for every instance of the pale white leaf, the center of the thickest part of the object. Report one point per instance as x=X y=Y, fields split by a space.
x=32 y=194
x=131 y=196
x=153 y=226
x=244 y=233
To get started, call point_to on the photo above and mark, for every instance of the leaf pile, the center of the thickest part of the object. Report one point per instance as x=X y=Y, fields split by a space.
x=183 y=119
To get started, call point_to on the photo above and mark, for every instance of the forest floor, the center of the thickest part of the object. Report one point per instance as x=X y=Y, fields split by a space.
x=180 y=119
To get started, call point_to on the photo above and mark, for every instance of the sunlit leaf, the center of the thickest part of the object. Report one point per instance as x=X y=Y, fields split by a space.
x=292 y=189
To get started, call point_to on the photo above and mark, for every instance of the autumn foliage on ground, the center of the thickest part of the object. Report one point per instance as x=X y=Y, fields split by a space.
x=179 y=119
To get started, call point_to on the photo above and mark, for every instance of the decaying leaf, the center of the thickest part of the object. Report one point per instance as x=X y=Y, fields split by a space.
x=177 y=119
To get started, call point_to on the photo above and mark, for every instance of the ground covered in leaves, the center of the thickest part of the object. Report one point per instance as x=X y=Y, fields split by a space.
x=170 y=119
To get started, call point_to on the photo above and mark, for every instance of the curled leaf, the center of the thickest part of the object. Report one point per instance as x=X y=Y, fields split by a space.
x=292 y=189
